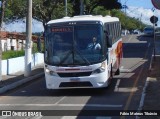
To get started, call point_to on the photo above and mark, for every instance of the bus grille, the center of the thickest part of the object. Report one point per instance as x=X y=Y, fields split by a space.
x=76 y=84
x=75 y=74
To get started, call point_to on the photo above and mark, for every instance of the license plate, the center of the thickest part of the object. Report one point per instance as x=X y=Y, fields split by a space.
x=74 y=79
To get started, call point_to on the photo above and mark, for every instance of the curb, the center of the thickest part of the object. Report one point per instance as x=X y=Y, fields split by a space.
x=18 y=83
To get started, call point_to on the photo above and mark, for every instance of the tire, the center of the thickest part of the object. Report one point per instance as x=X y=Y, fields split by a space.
x=117 y=72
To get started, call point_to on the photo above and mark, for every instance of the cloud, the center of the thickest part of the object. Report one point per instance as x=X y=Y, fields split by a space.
x=143 y=14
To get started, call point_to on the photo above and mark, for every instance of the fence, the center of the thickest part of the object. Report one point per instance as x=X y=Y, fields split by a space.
x=13 y=65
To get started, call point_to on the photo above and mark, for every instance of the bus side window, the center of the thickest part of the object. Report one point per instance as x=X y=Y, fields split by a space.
x=108 y=39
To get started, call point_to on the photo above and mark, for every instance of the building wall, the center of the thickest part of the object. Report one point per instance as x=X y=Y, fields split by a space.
x=12 y=44
x=14 y=41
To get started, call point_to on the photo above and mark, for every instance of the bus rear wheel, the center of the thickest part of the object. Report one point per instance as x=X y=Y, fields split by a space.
x=117 y=72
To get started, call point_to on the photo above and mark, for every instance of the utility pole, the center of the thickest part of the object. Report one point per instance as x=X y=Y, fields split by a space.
x=125 y=8
x=28 y=45
x=66 y=7
x=1 y=22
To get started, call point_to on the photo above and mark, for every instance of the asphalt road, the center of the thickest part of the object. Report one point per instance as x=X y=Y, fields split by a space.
x=122 y=95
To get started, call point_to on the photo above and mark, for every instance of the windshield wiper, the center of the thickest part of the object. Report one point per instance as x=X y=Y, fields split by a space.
x=72 y=52
x=84 y=59
x=66 y=57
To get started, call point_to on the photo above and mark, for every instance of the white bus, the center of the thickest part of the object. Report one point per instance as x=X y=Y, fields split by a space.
x=82 y=51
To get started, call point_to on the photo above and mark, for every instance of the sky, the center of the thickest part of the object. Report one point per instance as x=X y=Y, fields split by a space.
x=20 y=26
x=146 y=4
x=141 y=9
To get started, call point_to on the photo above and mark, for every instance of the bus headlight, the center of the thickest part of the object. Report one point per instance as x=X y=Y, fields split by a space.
x=100 y=69
x=48 y=71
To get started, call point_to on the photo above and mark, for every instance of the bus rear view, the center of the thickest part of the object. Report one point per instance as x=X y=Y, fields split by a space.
x=76 y=54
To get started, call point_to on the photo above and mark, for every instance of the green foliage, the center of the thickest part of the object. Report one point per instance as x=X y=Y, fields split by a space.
x=12 y=54
x=126 y=21
x=46 y=10
x=100 y=10
x=43 y=10
x=35 y=48
x=91 y=5
x=15 y=9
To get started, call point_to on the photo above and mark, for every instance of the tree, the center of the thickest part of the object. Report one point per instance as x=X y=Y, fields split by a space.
x=90 y=5
x=126 y=21
x=15 y=9
x=46 y=10
x=3 y=2
x=43 y=10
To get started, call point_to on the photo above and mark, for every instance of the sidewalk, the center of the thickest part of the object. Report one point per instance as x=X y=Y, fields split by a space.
x=12 y=81
x=152 y=93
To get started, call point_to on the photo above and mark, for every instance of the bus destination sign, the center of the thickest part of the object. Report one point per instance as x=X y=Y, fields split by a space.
x=62 y=29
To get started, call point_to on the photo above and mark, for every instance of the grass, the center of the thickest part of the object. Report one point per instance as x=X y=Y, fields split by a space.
x=13 y=54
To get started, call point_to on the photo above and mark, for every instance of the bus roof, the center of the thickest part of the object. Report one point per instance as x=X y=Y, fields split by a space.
x=85 y=18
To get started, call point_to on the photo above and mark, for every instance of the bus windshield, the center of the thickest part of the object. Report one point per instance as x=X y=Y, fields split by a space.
x=74 y=45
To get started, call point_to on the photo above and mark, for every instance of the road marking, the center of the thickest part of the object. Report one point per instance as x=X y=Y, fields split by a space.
x=150 y=67
x=125 y=70
x=143 y=96
x=40 y=117
x=144 y=89
x=89 y=105
x=85 y=117
x=125 y=90
x=63 y=105
x=134 y=85
x=60 y=100
x=9 y=117
x=3 y=117
x=129 y=39
x=121 y=67
x=69 y=117
x=117 y=85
